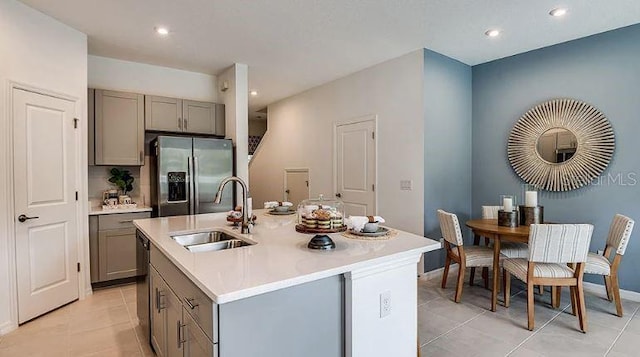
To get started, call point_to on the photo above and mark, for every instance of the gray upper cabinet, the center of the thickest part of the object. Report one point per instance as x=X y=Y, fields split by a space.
x=199 y=117
x=162 y=113
x=119 y=128
x=183 y=116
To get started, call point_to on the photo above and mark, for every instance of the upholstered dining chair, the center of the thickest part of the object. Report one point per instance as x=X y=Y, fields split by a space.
x=507 y=249
x=470 y=256
x=551 y=248
x=618 y=238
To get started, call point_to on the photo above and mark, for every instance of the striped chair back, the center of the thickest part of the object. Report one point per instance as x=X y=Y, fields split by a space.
x=490 y=212
x=559 y=243
x=450 y=227
x=619 y=233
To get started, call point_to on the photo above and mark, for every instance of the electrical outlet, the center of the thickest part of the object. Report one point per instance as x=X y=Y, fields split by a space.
x=385 y=303
x=406 y=185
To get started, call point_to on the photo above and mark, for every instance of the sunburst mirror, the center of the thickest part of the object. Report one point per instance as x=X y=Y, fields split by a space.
x=561 y=145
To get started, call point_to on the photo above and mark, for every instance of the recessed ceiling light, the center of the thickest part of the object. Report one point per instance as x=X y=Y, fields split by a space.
x=254 y=93
x=558 y=12
x=162 y=31
x=492 y=33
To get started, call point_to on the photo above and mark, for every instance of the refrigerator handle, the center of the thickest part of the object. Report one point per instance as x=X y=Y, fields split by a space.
x=191 y=183
x=196 y=191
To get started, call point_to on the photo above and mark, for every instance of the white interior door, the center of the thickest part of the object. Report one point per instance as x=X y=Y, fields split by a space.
x=356 y=167
x=296 y=183
x=44 y=201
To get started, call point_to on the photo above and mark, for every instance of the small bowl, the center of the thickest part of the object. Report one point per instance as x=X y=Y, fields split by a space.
x=370 y=227
x=281 y=208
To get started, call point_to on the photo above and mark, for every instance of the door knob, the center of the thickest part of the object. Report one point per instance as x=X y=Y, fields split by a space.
x=287 y=191
x=24 y=218
x=338 y=195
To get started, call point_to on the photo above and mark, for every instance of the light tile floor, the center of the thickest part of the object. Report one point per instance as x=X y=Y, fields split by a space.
x=105 y=324
x=471 y=329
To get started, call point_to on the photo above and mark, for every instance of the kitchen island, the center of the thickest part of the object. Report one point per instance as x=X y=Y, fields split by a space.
x=277 y=297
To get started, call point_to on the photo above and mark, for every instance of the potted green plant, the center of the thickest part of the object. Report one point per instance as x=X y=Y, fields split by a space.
x=122 y=179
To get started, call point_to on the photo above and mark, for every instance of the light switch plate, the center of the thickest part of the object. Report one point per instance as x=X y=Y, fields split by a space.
x=406 y=185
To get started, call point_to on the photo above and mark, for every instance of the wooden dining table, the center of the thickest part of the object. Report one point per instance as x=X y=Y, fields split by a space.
x=489 y=228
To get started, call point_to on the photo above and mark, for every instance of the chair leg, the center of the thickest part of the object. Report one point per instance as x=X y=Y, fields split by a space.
x=554 y=299
x=506 y=283
x=445 y=273
x=582 y=309
x=615 y=289
x=607 y=285
x=485 y=276
x=472 y=275
x=458 y=295
x=574 y=301
x=530 y=312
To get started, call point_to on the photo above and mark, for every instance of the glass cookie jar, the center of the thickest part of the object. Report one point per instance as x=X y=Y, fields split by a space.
x=320 y=215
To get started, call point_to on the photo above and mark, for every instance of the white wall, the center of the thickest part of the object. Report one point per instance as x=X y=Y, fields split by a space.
x=40 y=52
x=236 y=102
x=301 y=135
x=114 y=74
x=109 y=73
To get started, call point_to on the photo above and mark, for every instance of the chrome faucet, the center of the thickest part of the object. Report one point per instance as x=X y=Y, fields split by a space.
x=246 y=220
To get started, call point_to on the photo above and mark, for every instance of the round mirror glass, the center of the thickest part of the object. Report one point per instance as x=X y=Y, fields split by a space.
x=557 y=145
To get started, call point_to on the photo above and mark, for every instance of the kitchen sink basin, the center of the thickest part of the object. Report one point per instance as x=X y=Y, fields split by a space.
x=227 y=244
x=209 y=241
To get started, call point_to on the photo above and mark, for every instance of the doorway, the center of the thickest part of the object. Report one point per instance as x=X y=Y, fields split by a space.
x=45 y=202
x=355 y=166
x=296 y=185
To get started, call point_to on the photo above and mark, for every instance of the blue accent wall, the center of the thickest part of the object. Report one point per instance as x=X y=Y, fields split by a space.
x=447 y=144
x=602 y=70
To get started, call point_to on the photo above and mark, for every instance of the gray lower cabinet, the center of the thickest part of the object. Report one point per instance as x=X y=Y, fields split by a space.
x=178 y=313
x=119 y=128
x=166 y=318
x=112 y=244
x=196 y=342
x=303 y=320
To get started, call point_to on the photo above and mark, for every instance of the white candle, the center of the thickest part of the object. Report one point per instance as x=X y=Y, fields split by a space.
x=507 y=204
x=531 y=199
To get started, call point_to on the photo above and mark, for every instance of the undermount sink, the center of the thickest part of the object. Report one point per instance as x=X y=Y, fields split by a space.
x=209 y=241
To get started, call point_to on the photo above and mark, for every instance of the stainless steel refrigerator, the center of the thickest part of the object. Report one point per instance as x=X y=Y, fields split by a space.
x=186 y=172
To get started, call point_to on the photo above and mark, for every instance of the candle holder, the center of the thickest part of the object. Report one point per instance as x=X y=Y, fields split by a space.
x=531 y=215
x=508 y=215
x=530 y=212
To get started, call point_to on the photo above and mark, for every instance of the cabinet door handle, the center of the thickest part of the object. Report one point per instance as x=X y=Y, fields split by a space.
x=179 y=123
x=181 y=339
x=126 y=221
x=159 y=296
x=141 y=157
x=185 y=123
x=190 y=303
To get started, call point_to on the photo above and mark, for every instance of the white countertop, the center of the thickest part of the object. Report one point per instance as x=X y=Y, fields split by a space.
x=280 y=258
x=93 y=211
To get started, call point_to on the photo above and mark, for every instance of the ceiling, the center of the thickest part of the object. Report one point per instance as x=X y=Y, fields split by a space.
x=294 y=45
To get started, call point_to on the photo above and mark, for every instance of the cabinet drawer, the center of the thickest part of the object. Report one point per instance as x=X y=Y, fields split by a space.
x=120 y=220
x=203 y=311
x=197 y=344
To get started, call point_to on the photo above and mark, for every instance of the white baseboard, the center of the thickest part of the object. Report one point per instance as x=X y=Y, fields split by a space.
x=7 y=327
x=437 y=273
x=601 y=291
x=592 y=288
